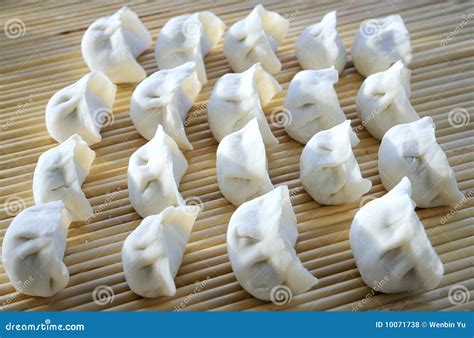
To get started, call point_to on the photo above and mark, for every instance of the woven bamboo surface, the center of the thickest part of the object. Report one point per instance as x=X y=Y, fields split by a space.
x=45 y=57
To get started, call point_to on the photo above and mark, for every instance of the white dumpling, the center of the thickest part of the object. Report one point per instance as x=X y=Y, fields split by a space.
x=261 y=237
x=164 y=98
x=33 y=250
x=239 y=97
x=154 y=173
x=59 y=174
x=112 y=44
x=411 y=150
x=390 y=245
x=153 y=252
x=384 y=100
x=329 y=171
x=379 y=43
x=81 y=108
x=186 y=38
x=255 y=39
x=242 y=169
x=319 y=46
x=312 y=104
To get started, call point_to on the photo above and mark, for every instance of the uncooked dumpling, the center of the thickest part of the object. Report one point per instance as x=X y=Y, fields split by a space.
x=242 y=170
x=328 y=169
x=238 y=98
x=261 y=238
x=164 y=98
x=384 y=100
x=153 y=252
x=411 y=150
x=319 y=46
x=390 y=245
x=154 y=173
x=112 y=44
x=255 y=39
x=33 y=250
x=312 y=104
x=379 y=43
x=59 y=174
x=186 y=38
x=81 y=108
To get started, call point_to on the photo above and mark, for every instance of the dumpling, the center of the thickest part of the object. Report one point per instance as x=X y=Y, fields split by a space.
x=312 y=104
x=379 y=43
x=255 y=39
x=261 y=238
x=411 y=150
x=33 y=250
x=239 y=97
x=384 y=100
x=154 y=173
x=319 y=46
x=186 y=38
x=242 y=170
x=328 y=169
x=153 y=252
x=59 y=174
x=164 y=98
x=112 y=44
x=390 y=245
x=81 y=108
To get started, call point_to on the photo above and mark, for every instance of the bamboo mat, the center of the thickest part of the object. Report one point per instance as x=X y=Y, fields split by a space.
x=45 y=56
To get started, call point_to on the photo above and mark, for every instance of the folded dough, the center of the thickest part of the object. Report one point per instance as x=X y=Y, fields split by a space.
x=239 y=97
x=33 y=250
x=411 y=150
x=379 y=43
x=319 y=46
x=164 y=98
x=186 y=38
x=390 y=245
x=261 y=238
x=255 y=39
x=112 y=44
x=242 y=169
x=153 y=252
x=81 y=108
x=154 y=172
x=328 y=169
x=384 y=100
x=59 y=174
x=312 y=104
